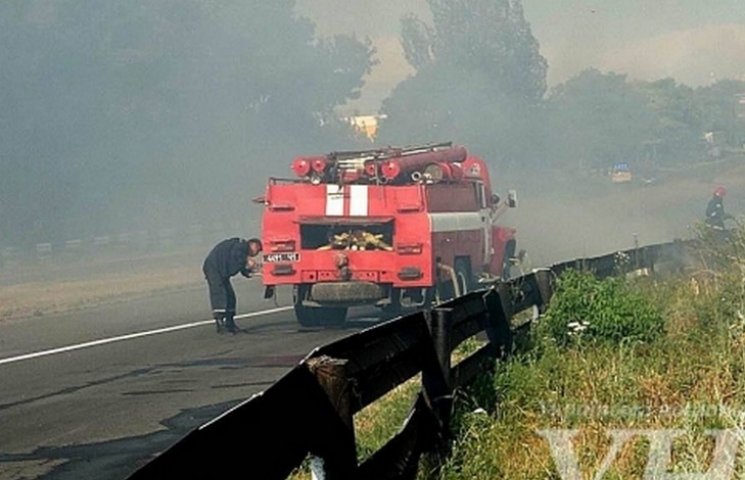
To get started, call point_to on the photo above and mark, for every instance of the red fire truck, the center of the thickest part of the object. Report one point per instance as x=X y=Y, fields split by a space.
x=397 y=228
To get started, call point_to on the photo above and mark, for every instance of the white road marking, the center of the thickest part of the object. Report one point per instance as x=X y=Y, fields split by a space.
x=131 y=336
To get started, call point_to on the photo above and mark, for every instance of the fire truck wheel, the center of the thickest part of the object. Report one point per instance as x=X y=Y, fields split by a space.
x=318 y=316
x=393 y=309
x=315 y=316
x=307 y=316
x=332 y=316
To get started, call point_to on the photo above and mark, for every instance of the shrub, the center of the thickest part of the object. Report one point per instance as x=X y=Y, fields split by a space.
x=610 y=310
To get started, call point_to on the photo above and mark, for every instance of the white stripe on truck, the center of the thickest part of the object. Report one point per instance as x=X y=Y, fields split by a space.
x=456 y=221
x=358 y=200
x=334 y=200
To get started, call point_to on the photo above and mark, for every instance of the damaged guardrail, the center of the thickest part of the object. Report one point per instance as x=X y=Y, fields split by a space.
x=310 y=410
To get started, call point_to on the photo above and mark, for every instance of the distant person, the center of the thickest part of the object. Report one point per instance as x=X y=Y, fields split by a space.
x=715 y=215
x=226 y=259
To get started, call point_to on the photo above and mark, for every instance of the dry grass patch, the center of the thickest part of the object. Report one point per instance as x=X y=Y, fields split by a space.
x=691 y=378
x=42 y=298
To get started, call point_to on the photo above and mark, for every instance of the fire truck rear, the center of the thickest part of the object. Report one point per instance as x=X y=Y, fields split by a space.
x=397 y=228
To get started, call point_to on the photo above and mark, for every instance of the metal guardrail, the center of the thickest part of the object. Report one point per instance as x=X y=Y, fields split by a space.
x=132 y=241
x=310 y=410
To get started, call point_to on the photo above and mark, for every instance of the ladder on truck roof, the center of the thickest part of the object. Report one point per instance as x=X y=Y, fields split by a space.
x=379 y=166
x=388 y=152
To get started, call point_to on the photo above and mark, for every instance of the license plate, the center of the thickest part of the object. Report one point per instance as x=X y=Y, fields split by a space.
x=282 y=257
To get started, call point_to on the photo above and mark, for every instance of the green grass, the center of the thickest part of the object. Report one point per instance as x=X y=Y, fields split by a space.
x=676 y=361
x=688 y=374
x=612 y=310
x=378 y=422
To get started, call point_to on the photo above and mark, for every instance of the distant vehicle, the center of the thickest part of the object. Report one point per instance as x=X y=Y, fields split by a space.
x=620 y=173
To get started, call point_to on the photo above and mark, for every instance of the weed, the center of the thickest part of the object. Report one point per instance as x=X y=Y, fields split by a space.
x=585 y=308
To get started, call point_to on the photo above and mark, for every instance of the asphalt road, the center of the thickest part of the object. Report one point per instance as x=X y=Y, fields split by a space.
x=95 y=393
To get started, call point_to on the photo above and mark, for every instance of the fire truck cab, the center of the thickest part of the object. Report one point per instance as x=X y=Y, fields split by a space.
x=397 y=228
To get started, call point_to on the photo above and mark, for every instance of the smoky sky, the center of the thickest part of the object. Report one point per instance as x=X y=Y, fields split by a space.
x=692 y=41
x=125 y=116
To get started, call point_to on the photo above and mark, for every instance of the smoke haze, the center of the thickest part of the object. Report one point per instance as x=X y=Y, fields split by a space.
x=688 y=40
x=134 y=115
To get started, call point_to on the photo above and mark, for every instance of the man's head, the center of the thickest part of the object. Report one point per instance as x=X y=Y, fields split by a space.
x=254 y=246
x=720 y=192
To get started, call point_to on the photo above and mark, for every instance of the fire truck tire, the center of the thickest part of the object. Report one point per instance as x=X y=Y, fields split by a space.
x=318 y=316
x=346 y=292
x=393 y=309
x=306 y=316
x=315 y=316
x=333 y=316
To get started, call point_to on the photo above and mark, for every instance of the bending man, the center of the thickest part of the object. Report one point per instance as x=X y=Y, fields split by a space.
x=226 y=259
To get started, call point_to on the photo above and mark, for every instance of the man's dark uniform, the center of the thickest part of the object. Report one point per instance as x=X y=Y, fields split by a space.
x=227 y=258
x=715 y=213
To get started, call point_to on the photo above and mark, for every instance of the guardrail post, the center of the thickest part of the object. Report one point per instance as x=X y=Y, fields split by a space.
x=499 y=314
x=544 y=278
x=336 y=460
x=440 y=324
x=678 y=252
x=437 y=388
x=649 y=257
x=638 y=263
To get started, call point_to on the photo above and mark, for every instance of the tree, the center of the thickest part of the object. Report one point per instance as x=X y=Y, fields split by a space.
x=597 y=119
x=677 y=130
x=479 y=79
x=416 y=41
x=493 y=37
x=684 y=115
x=488 y=36
x=146 y=113
x=720 y=111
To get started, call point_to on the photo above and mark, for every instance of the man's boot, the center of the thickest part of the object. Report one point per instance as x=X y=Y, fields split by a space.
x=230 y=325
x=220 y=324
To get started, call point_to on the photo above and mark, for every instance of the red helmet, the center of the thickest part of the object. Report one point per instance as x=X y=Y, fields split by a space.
x=720 y=191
